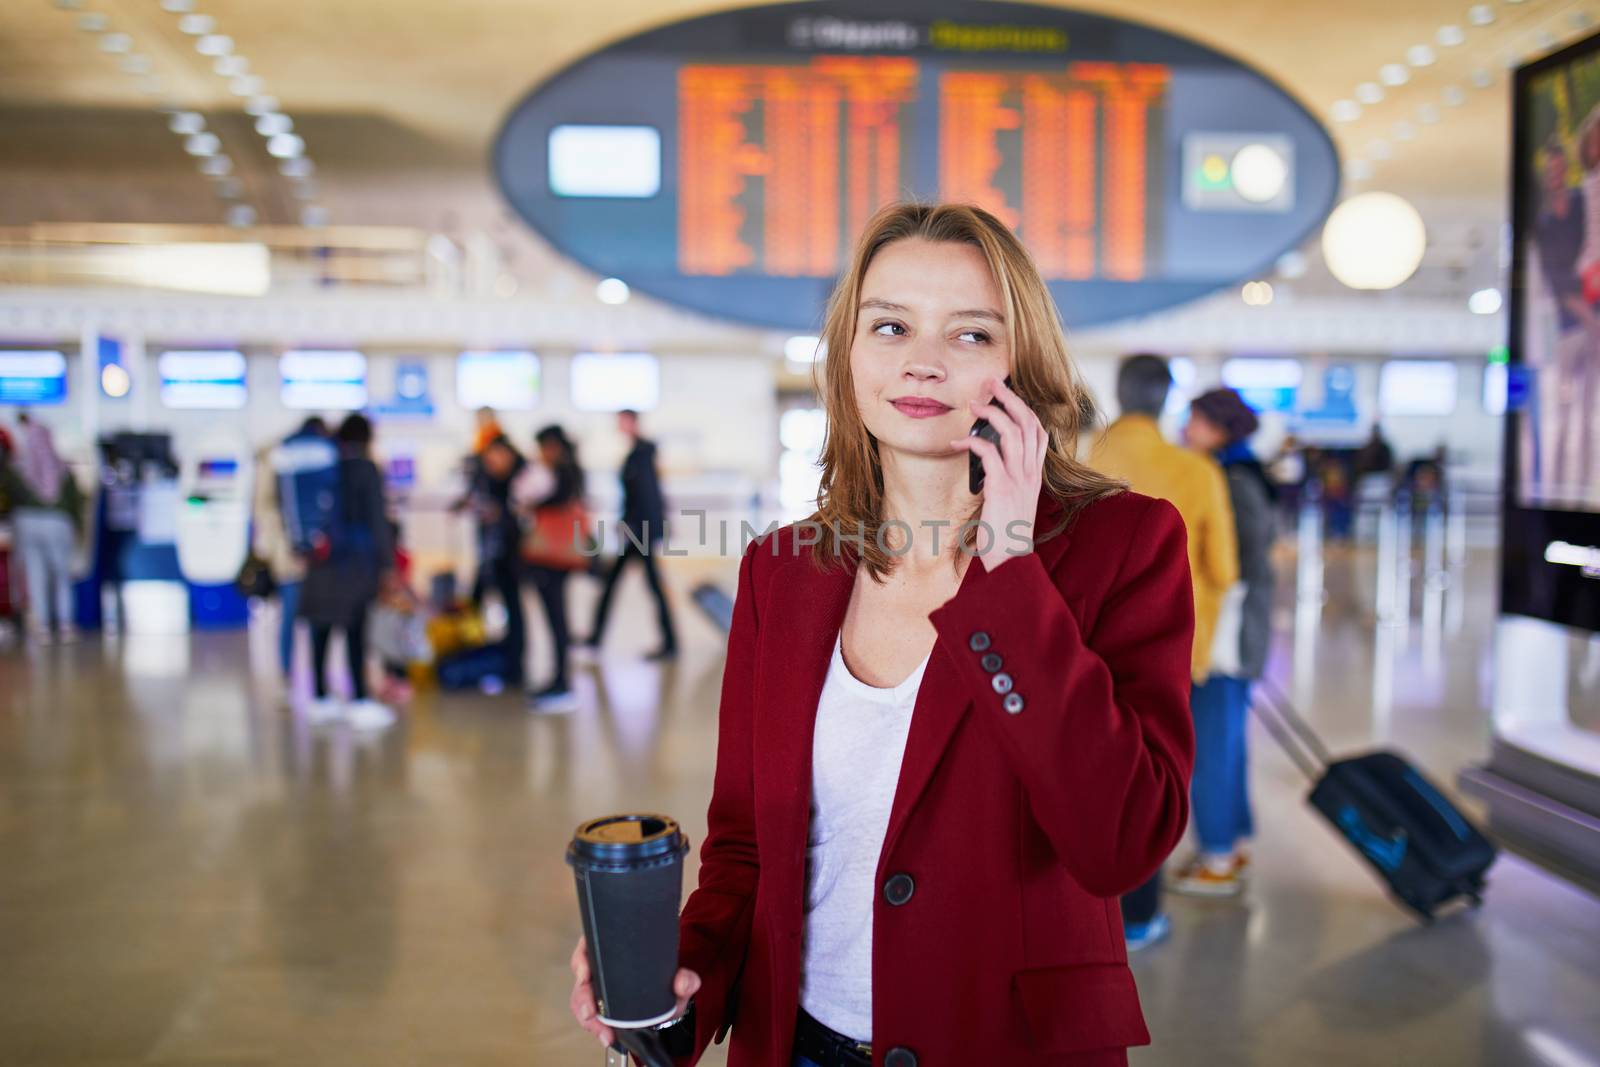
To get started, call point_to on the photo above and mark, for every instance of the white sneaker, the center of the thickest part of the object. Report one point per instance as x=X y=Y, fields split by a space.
x=553 y=701
x=370 y=715
x=325 y=709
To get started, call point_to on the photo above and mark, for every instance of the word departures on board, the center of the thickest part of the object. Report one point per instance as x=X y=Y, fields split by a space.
x=728 y=162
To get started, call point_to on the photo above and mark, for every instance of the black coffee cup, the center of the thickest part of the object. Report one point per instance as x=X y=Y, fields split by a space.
x=629 y=870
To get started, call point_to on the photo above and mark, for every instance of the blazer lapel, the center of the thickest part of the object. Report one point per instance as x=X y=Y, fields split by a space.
x=797 y=647
x=942 y=701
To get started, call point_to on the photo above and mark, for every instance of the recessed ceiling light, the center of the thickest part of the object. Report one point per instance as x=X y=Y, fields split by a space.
x=202 y=144
x=296 y=168
x=153 y=86
x=1428 y=114
x=186 y=123
x=1404 y=131
x=116 y=43
x=274 y=124
x=261 y=105
x=612 y=291
x=1420 y=55
x=93 y=22
x=177 y=7
x=1394 y=74
x=231 y=66
x=69 y=5
x=285 y=146
x=1453 y=96
x=1480 y=15
x=1369 y=93
x=197 y=25
x=1485 y=302
x=1482 y=79
x=1450 y=36
x=241 y=215
x=217 y=167
x=1346 y=111
x=214 y=44
x=246 y=85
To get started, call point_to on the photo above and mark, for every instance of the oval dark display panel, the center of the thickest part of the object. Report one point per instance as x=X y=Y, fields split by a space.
x=726 y=163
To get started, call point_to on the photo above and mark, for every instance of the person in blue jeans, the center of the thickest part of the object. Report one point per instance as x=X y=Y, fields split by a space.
x=270 y=540
x=1220 y=424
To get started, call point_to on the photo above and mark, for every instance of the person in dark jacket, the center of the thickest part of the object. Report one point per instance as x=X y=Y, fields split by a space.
x=499 y=545
x=1220 y=424
x=644 y=526
x=548 y=574
x=345 y=574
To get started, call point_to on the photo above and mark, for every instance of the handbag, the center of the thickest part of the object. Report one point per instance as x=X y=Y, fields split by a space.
x=560 y=537
x=255 y=579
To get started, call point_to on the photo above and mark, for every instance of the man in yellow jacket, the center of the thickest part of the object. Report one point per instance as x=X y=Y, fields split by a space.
x=1133 y=449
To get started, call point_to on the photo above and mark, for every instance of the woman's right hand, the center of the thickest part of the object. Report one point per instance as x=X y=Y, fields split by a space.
x=684 y=985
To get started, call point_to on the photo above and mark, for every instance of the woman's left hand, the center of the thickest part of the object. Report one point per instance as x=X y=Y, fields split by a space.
x=1012 y=473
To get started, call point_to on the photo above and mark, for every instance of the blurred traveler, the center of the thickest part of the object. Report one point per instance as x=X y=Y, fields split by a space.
x=499 y=546
x=270 y=538
x=46 y=521
x=486 y=430
x=644 y=526
x=1220 y=425
x=553 y=549
x=345 y=571
x=1376 y=456
x=1134 y=450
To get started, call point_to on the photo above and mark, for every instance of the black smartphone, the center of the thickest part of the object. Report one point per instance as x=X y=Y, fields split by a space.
x=982 y=429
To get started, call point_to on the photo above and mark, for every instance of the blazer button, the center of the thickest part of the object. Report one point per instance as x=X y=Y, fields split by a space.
x=991 y=661
x=1001 y=682
x=898 y=889
x=979 y=642
x=1012 y=703
x=900 y=1057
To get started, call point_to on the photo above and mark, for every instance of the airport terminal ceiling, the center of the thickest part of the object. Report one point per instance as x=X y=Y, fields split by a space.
x=397 y=98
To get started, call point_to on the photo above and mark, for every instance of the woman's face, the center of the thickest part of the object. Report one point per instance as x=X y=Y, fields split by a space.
x=550 y=452
x=929 y=331
x=1203 y=435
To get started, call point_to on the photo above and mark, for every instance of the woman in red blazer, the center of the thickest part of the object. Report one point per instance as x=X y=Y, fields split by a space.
x=1045 y=766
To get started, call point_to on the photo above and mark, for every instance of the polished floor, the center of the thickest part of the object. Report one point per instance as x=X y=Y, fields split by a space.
x=192 y=875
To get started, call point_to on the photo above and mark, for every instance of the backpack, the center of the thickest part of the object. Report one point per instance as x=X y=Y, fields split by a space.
x=307 y=472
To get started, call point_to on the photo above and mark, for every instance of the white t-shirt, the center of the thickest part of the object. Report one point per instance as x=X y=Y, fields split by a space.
x=855 y=765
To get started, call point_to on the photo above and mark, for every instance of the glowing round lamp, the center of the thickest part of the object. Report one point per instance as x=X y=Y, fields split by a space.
x=1259 y=173
x=1373 y=241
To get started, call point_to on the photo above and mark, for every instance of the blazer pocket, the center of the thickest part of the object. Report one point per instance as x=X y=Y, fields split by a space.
x=1078 y=1008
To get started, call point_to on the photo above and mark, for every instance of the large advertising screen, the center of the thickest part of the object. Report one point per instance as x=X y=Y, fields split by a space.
x=1552 y=492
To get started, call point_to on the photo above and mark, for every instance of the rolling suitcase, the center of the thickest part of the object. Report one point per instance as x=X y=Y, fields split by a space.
x=1416 y=840
x=716 y=604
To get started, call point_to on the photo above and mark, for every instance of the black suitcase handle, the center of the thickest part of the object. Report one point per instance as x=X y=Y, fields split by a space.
x=1290 y=730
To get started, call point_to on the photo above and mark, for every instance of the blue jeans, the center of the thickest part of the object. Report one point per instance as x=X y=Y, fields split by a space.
x=802 y=1061
x=289 y=601
x=1220 y=789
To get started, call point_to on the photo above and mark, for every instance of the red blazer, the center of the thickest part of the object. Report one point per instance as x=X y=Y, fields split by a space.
x=1017 y=831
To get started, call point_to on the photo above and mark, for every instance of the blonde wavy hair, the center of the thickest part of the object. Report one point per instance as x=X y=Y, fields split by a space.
x=850 y=501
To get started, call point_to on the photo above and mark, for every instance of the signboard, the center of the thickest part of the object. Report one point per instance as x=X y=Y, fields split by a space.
x=727 y=163
x=211 y=379
x=29 y=377
x=324 y=379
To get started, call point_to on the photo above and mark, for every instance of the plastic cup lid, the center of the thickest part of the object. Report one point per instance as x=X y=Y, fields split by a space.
x=627 y=840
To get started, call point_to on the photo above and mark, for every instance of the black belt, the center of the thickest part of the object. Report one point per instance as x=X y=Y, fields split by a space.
x=828 y=1048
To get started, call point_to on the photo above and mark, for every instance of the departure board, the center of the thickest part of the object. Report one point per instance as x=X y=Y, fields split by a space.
x=780 y=166
x=729 y=162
